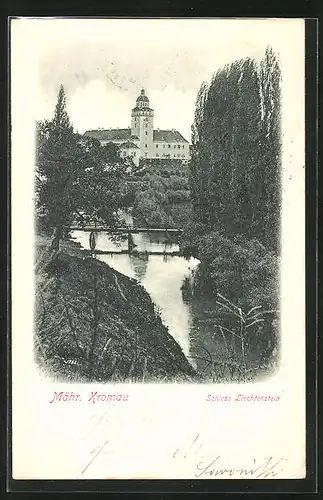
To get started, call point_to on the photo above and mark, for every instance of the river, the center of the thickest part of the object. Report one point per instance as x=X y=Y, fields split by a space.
x=161 y=275
x=191 y=319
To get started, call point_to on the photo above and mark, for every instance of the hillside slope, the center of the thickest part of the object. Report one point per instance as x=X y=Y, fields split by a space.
x=95 y=324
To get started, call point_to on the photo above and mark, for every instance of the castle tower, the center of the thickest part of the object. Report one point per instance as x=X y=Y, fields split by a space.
x=142 y=124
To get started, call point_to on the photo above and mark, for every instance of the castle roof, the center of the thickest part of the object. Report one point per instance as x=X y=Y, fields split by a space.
x=128 y=145
x=168 y=136
x=112 y=134
x=124 y=134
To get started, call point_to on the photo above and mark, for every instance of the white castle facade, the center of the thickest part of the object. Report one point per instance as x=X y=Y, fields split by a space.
x=141 y=140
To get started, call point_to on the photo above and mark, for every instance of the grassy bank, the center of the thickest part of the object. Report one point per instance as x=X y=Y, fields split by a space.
x=95 y=324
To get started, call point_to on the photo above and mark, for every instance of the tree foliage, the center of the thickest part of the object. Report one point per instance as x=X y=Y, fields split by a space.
x=77 y=178
x=155 y=193
x=235 y=180
x=235 y=167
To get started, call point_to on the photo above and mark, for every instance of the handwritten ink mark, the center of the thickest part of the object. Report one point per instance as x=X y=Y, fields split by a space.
x=191 y=448
x=191 y=445
x=92 y=460
x=265 y=469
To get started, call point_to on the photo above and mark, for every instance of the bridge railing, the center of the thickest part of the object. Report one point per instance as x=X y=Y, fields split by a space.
x=125 y=229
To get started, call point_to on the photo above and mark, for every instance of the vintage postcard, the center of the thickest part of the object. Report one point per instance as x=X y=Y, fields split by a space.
x=158 y=247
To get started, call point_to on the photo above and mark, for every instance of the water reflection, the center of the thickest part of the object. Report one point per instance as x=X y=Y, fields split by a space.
x=154 y=241
x=161 y=275
x=140 y=264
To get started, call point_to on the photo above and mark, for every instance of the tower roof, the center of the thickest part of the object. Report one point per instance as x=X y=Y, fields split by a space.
x=142 y=96
x=145 y=108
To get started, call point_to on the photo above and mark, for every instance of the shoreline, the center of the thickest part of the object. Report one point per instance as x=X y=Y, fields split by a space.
x=124 y=341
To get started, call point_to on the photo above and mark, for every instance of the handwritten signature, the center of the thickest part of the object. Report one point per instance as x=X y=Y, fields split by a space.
x=264 y=467
x=267 y=468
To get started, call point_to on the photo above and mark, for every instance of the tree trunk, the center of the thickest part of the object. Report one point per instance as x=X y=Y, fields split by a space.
x=56 y=237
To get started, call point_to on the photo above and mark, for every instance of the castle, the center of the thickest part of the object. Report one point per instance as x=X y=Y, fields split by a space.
x=141 y=140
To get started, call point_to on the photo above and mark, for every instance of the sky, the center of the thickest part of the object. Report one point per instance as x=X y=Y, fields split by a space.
x=104 y=63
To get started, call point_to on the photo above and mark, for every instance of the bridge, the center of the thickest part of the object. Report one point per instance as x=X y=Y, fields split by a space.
x=125 y=229
x=140 y=253
x=132 y=248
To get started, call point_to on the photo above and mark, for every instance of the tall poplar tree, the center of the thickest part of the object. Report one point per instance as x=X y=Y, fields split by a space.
x=271 y=147
x=235 y=163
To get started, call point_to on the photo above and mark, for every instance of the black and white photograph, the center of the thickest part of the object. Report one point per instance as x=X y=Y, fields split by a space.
x=158 y=237
x=158 y=214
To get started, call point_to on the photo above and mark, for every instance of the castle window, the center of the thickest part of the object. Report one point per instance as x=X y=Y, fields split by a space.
x=174 y=156
x=146 y=146
x=174 y=146
x=156 y=145
x=183 y=156
x=146 y=133
x=183 y=146
x=145 y=155
x=169 y=145
x=179 y=146
x=163 y=145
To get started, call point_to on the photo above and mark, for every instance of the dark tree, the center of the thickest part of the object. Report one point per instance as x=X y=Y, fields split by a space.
x=271 y=148
x=77 y=179
x=236 y=152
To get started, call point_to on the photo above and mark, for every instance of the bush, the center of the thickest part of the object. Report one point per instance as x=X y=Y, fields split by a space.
x=156 y=193
x=242 y=270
